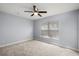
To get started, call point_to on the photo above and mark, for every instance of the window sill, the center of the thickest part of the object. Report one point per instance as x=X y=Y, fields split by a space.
x=56 y=38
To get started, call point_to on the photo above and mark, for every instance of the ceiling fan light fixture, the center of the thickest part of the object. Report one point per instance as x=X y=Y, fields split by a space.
x=35 y=13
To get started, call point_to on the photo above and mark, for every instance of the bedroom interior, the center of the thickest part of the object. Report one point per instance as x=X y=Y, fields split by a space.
x=39 y=29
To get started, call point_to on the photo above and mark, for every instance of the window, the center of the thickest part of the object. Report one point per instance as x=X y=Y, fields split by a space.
x=50 y=30
x=44 y=30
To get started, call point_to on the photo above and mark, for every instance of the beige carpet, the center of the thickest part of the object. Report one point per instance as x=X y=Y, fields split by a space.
x=36 y=48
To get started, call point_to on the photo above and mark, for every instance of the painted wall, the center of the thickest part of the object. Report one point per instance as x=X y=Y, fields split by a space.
x=67 y=29
x=78 y=29
x=14 y=29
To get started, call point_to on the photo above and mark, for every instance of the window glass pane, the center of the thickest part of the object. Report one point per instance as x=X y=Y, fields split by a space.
x=53 y=29
x=53 y=33
x=44 y=32
x=53 y=25
x=44 y=26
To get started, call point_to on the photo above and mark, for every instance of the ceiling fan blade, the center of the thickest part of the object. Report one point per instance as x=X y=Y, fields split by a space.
x=32 y=14
x=40 y=15
x=42 y=11
x=27 y=11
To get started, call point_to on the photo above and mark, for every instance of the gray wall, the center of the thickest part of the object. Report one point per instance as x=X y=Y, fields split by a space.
x=14 y=29
x=78 y=29
x=67 y=29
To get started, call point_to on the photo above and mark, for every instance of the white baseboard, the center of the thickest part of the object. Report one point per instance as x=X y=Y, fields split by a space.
x=68 y=47
x=63 y=46
x=12 y=43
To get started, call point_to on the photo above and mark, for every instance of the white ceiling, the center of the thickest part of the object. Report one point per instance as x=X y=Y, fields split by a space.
x=51 y=8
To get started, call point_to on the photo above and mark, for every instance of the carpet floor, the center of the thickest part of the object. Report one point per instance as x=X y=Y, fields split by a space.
x=36 y=48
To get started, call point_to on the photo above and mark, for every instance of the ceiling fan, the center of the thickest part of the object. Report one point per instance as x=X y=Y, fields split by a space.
x=36 y=11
